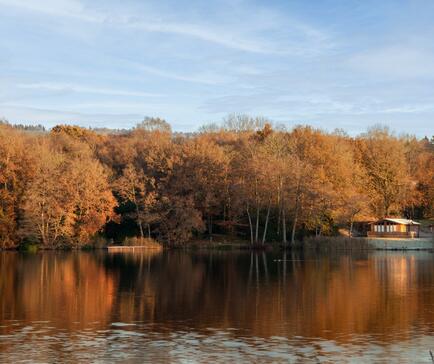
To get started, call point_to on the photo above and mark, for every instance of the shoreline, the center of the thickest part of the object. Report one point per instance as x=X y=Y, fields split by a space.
x=323 y=244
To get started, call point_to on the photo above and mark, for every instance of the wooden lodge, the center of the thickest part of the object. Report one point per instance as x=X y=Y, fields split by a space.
x=394 y=228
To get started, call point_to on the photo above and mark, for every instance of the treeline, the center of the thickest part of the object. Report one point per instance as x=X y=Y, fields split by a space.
x=68 y=186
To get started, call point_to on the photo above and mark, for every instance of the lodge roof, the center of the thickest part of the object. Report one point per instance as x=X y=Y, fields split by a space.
x=398 y=221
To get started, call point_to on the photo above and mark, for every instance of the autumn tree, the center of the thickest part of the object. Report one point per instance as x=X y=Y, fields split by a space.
x=179 y=219
x=136 y=188
x=68 y=199
x=422 y=175
x=202 y=172
x=383 y=157
x=16 y=167
x=154 y=124
x=243 y=123
x=348 y=200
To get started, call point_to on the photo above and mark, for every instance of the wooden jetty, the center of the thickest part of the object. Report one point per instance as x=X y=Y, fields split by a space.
x=132 y=248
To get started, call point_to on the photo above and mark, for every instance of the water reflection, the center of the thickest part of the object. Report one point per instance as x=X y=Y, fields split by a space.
x=284 y=306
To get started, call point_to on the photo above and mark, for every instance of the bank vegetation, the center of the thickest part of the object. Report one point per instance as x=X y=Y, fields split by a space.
x=245 y=178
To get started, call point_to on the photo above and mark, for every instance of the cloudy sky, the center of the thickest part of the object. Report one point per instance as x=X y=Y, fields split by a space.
x=331 y=64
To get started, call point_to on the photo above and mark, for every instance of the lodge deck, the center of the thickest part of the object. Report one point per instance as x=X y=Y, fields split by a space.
x=393 y=234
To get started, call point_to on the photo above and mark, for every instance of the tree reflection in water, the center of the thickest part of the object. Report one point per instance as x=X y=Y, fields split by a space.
x=379 y=298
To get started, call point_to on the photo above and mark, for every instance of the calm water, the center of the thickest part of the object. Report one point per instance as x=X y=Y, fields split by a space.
x=216 y=307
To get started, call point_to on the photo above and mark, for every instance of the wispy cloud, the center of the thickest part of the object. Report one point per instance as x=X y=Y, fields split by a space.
x=207 y=34
x=51 y=116
x=309 y=39
x=66 y=87
x=75 y=9
x=63 y=8
x=397 y=61
x=202 y=79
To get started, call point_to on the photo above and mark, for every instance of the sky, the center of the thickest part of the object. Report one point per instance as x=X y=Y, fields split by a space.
x=330 y=64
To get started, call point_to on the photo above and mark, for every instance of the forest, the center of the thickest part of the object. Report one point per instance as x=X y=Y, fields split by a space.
x=244 y=177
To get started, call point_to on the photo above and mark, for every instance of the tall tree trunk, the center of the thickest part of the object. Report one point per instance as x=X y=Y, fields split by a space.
x=139 y=221
x=279 y=204
x=279 y=214
x=294 y=226
x=42 y=229
x=297 y=206
x=266 y=223
x=210 y=226
x=257 y=225
x=149 y=231
x=250 y=225
x=284 y=225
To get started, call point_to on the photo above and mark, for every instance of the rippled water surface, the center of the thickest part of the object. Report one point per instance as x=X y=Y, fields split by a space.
x=216 y=307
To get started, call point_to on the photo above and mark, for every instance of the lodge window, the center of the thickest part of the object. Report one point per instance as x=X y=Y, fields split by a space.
x=381 y=228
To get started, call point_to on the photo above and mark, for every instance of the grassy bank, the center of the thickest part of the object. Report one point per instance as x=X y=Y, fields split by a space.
x=323 y=244
x=326 y=243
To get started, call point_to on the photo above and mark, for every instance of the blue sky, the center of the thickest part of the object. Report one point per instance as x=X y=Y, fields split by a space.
x=330 y=64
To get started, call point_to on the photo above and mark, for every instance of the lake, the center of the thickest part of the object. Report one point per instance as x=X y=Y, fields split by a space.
x=216 y=306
